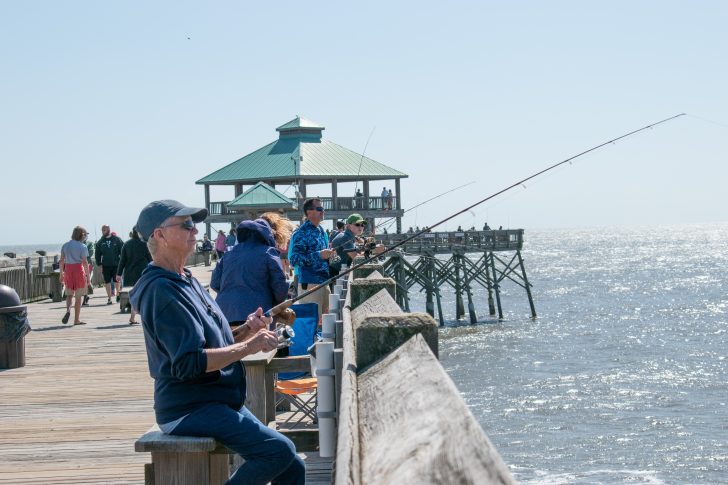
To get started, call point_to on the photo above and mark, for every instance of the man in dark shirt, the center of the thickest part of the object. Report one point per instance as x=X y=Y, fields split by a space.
x=107 y=254
x=345 y=242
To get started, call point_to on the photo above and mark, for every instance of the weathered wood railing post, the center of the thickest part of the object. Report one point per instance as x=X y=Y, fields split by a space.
x=399 y=433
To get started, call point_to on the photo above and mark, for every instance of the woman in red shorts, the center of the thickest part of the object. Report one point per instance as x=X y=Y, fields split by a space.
x=74 y=268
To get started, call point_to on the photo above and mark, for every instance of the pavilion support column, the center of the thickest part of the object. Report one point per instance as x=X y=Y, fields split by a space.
x=366 y=194
x=207 y=206
x=238 y=189
x=398 y=194
x=302 y=190
x=334 y=197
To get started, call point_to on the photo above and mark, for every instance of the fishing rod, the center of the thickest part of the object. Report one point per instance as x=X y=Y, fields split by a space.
x=284 y=305
x=361 y=160
x=391 y=220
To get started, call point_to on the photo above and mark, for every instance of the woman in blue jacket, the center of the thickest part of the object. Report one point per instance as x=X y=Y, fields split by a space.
x=251 y=275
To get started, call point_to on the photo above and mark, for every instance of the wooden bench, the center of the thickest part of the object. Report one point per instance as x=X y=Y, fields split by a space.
x=183 y=460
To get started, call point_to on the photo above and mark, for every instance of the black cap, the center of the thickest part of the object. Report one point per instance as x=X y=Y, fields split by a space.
x=155 y=213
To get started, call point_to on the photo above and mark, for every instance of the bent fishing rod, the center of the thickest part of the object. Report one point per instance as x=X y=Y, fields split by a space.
x=284 y=305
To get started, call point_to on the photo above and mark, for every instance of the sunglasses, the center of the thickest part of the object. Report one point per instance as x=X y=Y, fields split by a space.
x=317 y=209
x=187 y=225
x=361 y=224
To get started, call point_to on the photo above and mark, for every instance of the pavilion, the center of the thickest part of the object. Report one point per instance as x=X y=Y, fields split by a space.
x=299 y=158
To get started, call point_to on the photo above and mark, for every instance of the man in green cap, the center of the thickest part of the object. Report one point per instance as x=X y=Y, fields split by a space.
x=345 y=243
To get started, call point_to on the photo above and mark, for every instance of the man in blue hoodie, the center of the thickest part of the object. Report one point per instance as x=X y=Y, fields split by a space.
x=194 y=356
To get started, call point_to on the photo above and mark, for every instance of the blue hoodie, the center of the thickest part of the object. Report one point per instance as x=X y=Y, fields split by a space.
x=251 y=275
x=180 y=321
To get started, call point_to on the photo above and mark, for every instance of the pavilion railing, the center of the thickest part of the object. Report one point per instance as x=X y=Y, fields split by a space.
x=343 y=204
x=498 y=240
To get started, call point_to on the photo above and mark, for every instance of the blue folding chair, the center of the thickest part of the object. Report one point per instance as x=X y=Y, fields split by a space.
x=304 y=329
x=299 y=388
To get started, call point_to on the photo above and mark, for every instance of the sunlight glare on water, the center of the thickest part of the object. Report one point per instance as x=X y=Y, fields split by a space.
x=623 y=377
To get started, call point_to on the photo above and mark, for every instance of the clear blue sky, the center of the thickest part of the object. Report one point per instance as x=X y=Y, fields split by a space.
x=109 y=105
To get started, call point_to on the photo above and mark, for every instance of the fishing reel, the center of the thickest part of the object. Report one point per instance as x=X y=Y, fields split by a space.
x=368 y=247
x=285 y=336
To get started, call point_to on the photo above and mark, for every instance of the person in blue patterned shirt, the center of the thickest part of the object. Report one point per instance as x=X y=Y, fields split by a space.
x=310 y=255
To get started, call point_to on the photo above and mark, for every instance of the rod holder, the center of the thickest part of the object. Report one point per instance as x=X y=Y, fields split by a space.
x=326 y=410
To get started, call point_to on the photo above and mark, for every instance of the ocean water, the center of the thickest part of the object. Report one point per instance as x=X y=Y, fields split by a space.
x=623 y=377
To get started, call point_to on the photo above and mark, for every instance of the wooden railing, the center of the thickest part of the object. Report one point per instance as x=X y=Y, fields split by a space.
x=343 y=204
x=401 y=419
x=217 y=208
x=503 y=240
x=32 y=278
x=358 y=203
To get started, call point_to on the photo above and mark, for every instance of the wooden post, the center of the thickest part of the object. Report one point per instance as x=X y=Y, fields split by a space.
x=418 y=428
x=489 y=284
x=496 y=286
x=257 y=383
x=334 y=196
x=398 y=206
x=367 y=269
x=528 y=286
x=207 y=206
x=366 y=194
x=459 y=306
x=379 y=335
x=362 y=290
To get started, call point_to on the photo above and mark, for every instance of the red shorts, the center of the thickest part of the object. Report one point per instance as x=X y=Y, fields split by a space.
x=74 y=277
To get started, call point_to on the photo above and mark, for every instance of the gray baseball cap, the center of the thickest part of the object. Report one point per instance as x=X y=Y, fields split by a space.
x=155 y=213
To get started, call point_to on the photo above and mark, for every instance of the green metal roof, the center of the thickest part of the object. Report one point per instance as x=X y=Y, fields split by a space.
x=293 y=156
x=261 y=195
x=299 y=122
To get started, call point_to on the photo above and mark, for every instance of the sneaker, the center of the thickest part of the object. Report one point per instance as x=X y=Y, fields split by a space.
x=108 y=302
x=85 y=301
x=66 y=317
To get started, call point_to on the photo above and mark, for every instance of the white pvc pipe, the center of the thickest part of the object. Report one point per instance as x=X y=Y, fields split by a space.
x=326 y=399
x=333 y=303
x=328 y=327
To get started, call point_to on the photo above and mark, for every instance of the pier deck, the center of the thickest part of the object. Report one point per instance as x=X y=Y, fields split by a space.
x=73 y=413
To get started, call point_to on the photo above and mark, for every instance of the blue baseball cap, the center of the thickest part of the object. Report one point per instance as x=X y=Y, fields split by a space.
x=155 y=213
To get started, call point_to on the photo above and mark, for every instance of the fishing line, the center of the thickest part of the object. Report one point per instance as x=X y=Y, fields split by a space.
x=708 y=121
x=361 y=160
x=388 y=223
x=282 y=306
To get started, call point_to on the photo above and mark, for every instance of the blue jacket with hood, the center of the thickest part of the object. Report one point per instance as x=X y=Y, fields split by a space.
x=251 y=275
x=180 y=321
